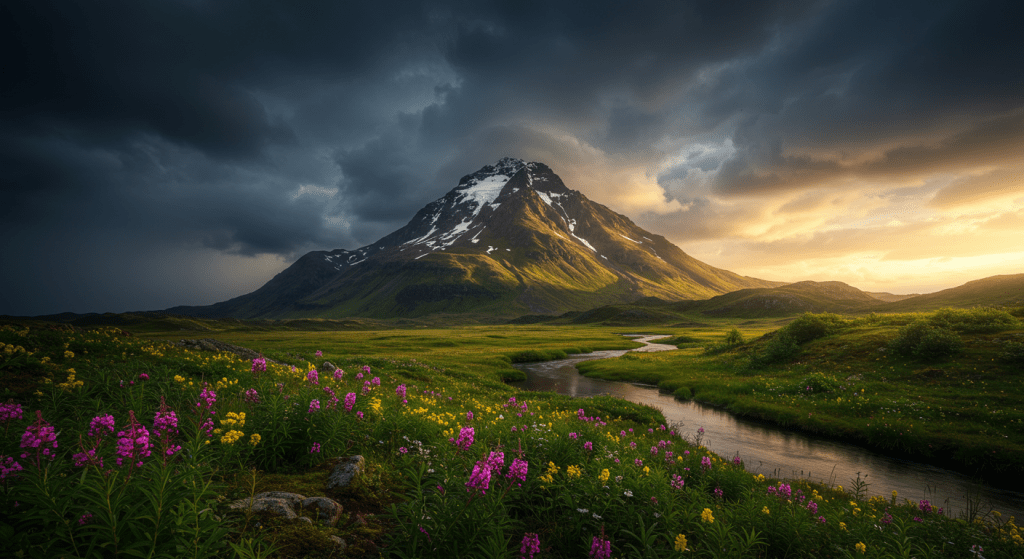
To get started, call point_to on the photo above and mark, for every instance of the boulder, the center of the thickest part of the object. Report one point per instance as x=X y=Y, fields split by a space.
x=280 y=503
x=345 y=471
x=322 y=509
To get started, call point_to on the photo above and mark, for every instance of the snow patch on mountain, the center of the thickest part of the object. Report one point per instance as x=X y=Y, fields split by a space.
x=628 y=239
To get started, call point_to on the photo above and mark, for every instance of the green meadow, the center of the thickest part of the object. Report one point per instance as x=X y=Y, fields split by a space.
x=117 y=442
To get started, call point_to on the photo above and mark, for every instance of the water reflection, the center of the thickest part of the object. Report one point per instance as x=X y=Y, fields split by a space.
x=773 y=451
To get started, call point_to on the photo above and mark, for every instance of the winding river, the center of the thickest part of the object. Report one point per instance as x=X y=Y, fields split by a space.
x=774 y=451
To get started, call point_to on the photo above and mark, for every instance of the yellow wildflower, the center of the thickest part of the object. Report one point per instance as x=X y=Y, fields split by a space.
x=231 y=436
x=573 y=471
x=680 y=543
x=759 y=478
x=766 y=511
x=69 y=354
x=706 y=516
x=894 y=493
x=605 y=474
x=647 y=471
x=861 y=548
x=842 y=526
x=254 y=439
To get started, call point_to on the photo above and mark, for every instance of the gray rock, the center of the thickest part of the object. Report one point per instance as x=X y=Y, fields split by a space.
x=280 y=503
x=340 y=543
x=329 y=367
x=306 y=519
x=345 y=471
x=322 y=509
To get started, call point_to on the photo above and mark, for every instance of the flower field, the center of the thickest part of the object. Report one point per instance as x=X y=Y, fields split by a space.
x=118 y=446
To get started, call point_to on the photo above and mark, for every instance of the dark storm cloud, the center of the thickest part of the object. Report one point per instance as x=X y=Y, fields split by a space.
x=261 y=129
x=902 y=76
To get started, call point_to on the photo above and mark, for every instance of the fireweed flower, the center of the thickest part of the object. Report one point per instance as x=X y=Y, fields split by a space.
x=359 y=414
x=518 y=471
x=496 y=460
x=319 y=353
x=588 y=446
x=41 y=437
x=677 y=482
x=165 y=426
x=259 y=365
x=600 y=548
x=313 y=377
x=101 y=425
x=133 y=443
x=400 y=391
x=350 y=400
x=314 y=406
x=480 y=479
x=465 y=439
x=143 y=376
x=9 y=467
x=469 y=414
x=375 y=381
x=207 y=399
x=705 y=463
x=530 y=546
x=339 y=374
x=315 y=449
x=252 y=396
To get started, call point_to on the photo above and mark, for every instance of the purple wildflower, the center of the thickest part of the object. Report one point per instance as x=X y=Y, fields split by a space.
x=252 y=396
x=259 y=365
x=530 y=546
x=465 y=439
x=9 y=467
x=313 y=377
x=518 y=470
x=315 y=449
x=705 y=462
x=133 y=443
x=350 y=400
x=41 y=437
x=600 y=548
x=480 y=479
x=314 y=406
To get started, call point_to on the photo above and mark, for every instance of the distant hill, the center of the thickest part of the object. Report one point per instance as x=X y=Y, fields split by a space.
x=994 y=291
x=795 y=299
x=890 y=297
x=510 y=239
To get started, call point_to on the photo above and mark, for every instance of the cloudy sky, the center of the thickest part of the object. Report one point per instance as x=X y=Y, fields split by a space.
x=166 y=152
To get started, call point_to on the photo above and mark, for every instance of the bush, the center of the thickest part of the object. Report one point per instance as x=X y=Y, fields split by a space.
x=1013 y=352
x=819 y=382
x=924 y=340
x=813 y=326
x=733 y=337
x=984 y=319
x=780 y=347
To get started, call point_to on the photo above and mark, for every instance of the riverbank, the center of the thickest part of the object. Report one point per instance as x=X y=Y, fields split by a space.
x=963 y=412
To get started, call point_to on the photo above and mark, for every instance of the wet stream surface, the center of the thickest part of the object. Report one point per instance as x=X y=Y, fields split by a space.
x=775 y=451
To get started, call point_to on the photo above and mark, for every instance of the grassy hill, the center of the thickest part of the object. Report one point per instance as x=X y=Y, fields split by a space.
x=940 y=387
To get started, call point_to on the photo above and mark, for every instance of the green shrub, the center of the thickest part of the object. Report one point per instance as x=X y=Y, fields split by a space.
x=1013 y=352
x=820 y=382
x=733 y=337
x=813 y=326
x=924 y=340
x=781 y=346
x=983 y=319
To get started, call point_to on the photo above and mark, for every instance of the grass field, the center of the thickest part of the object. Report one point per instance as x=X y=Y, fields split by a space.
x=956 y=402
x=458 y=463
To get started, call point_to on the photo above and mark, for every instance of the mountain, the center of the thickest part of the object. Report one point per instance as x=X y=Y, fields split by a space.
x=510 y=239
x=993 y=291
